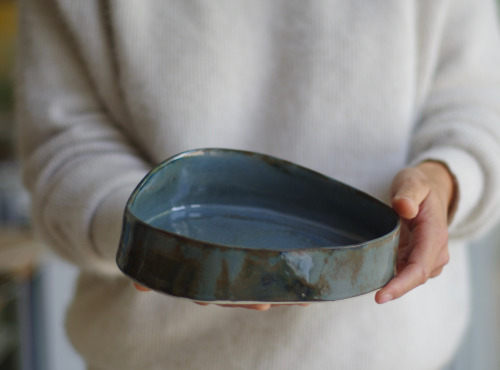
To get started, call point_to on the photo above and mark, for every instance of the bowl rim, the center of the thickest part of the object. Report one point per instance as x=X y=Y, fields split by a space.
x=130 y=216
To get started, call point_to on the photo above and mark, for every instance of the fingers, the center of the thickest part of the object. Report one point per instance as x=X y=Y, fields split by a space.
x=443 y=259
x=413 y=275
x=141 y=288
x=410 y=277
x=436 y=272
x=424 y=255
x=408 y=191
x=423 y=250
x=257 y=306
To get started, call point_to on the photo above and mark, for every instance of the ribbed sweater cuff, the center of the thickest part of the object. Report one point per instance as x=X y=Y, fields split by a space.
x=468 y=176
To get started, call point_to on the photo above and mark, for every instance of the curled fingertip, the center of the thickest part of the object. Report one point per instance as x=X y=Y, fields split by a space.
x=384 y=298
x=405 y=206
x=141 y=288
x=262 y=307
x=202 y=303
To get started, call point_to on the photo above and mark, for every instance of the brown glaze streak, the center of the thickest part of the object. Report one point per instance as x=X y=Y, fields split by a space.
x=251 y=269
x=223 y=284
x=273 y=162
x=356 y=261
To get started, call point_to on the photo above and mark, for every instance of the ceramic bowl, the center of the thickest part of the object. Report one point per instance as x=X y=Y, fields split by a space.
x=219 y=225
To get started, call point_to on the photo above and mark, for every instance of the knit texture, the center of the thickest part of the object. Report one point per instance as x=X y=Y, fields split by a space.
x=355 y=90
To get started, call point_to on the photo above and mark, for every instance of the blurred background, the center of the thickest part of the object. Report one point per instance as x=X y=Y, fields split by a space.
x=36 y=286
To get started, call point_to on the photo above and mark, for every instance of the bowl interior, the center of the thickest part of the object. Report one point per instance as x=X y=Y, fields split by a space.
x=248 y=200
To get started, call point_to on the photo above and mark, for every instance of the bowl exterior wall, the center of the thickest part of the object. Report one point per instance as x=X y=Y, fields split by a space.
x=208 y=272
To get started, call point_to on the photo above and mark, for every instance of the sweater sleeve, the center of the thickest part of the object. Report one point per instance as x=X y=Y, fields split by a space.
x=460 y=123
x=78 y=164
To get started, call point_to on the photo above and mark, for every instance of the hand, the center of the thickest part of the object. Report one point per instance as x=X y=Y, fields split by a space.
x=421 y=196
x=258 y=307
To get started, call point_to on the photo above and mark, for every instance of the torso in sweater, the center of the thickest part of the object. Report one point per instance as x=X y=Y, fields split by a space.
x=336 y=86
x=326 y=84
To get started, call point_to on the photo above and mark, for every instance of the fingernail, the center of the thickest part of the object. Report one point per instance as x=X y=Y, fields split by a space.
x=386 y=298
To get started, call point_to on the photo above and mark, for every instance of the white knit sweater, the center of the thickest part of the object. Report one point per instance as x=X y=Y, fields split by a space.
x=353 y=89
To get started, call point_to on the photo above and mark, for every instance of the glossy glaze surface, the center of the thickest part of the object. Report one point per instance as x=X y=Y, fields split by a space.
x=250 y=227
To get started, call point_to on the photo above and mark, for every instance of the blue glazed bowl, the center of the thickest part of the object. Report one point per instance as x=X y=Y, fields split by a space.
x=219 y=225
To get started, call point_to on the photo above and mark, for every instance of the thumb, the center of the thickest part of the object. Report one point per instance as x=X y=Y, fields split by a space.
x=409 y=189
